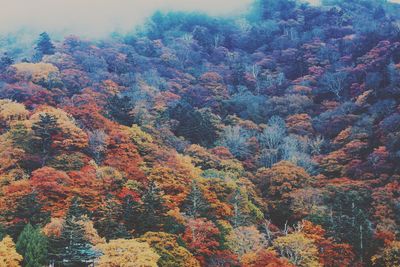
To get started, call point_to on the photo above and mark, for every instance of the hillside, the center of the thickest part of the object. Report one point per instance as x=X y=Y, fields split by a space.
x=260 y=140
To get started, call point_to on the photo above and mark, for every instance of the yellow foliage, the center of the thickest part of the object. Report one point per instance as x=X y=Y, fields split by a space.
x=54 y=227
x=36 y=72
x=90 y=232
x=389 y=257
x=9 y=155
x=12 y=111
x=127 y=253
x=73 y=135
x=140 y=138
x=246 y=239
x=172 y=254
x=8 y=255
x=298 y=249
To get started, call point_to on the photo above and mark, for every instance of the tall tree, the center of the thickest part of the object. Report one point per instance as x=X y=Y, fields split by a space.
x=8 y=255
x=195 y=205
x=43 y=133
x=44 y=46
x=72 y=247
x=150 y=214
x=33 y=246
x=109 y=223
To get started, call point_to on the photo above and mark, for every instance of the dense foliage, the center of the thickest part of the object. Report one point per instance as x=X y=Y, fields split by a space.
x=269 y=139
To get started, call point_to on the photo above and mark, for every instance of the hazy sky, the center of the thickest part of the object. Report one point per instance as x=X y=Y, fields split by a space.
x=98 y=17
x=95 y=18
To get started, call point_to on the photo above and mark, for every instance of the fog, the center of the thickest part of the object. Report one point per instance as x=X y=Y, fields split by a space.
x=96 y=18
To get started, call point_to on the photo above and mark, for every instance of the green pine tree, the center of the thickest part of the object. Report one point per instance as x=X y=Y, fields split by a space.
x=109 y=223
x=44 y=46
x=33 y=246
x=195 y=205
x=72 y=248
x=240 y=215
x=149 y=215
x=43 y=132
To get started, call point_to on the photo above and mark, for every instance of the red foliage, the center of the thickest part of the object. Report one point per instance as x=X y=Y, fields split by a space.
x=201 y=238
x=54 y=189
x=122 y=154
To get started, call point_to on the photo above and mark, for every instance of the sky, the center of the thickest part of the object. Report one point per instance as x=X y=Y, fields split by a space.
x=97 y=18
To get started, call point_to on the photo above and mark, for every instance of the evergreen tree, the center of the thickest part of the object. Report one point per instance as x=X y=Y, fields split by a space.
x=33 y=246
x=153 y=209
x=240 y=216
x=44 y=46
x=2 y=232
x=28 y=211
x=110 y=216
x=72 y=248
x=5 y=61
x=148 y=215
x=195 y=205
x=119 y=108
x=43 y=132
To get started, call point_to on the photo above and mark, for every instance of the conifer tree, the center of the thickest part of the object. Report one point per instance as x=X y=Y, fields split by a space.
x=44 y=45
x=195 y=205
x=43 y=132
x=149 y=215
x=5 y=61
x=33 y=246
x=240 y=216
x=72 y=247
x=109 y=224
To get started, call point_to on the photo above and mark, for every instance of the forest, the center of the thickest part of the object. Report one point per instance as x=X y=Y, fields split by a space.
x=267 y=139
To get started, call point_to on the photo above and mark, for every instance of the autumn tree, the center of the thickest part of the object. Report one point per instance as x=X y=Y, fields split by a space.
x=264 y=258
x=278 y=182
x=127 y=252
x=201 y=238
x=8 y=255
x=298 y=249
x=171 y=253
x=330 y=252
x=389 y=256
x=54 y=189
x=246 y=239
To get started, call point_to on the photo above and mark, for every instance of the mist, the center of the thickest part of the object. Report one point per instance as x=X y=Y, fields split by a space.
x=97 y=18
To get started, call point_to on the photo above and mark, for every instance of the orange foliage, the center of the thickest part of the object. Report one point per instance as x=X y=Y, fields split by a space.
x=123 y=155
x=300 y=124
x=330 y=253
x=264 y=258
x=54 y=189
x=172 y=183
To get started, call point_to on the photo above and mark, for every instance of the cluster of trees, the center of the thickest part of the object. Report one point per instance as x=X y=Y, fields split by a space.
x=271 y=139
